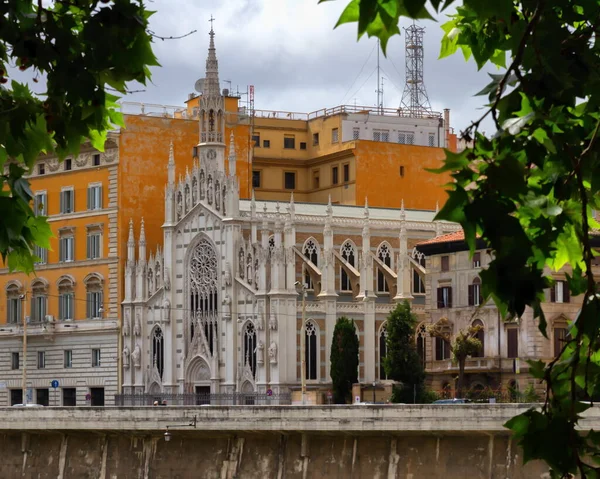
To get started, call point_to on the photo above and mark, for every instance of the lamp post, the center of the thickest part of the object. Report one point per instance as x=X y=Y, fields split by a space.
x=23 y=298
x=303 y=343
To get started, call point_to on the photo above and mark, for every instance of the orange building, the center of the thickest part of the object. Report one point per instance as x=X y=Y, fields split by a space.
x=348 y=153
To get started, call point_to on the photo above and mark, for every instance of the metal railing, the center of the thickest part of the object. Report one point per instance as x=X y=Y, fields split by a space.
x=202 y=399
x=151 y=109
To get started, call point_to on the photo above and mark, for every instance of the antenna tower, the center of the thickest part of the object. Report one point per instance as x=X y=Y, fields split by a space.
x=379 y=90
x=414 y=98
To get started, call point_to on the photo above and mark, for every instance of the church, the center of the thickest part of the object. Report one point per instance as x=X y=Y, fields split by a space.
x=218 y=308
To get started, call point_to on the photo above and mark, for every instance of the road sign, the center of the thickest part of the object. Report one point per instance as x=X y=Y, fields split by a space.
x=269 y=392
x=54 y=383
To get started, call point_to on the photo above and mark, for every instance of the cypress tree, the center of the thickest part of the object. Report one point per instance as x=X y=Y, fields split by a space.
x=344 y=360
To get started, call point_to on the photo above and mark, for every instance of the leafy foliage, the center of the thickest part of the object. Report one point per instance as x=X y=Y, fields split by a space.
x=344 y=360
x=402 y=362
x=81 y=49
x=531 y=190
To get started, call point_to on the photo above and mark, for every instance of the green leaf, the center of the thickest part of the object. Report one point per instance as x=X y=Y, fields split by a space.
x=350 y=14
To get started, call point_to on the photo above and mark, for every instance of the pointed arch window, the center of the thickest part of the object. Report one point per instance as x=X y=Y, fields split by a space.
x=382 y=351
x=203 y=293
x=384 y=253
x=422 y=344
x=13 y=303
x=481 y=336
x=348 y=253
x=310 y=251
x=418 y=283
x=250 y=347
x=158 y=350
x=311 y=350
x=94 y=296
x=39 y=305
x=66 y=298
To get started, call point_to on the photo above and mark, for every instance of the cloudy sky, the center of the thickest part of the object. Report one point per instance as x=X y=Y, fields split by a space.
x=290 y=52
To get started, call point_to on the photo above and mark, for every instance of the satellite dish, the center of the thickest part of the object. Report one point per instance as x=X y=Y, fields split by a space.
x=199 y=85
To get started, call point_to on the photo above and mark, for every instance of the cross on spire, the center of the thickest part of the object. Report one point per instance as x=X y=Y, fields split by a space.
x=212 y=19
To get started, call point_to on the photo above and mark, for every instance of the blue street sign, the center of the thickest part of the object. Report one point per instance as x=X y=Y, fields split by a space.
x=54 y=384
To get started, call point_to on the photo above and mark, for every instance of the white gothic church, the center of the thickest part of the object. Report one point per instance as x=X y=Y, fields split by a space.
x=217 y=308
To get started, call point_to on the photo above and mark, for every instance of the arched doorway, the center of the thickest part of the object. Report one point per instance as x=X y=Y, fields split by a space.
x=197 y=379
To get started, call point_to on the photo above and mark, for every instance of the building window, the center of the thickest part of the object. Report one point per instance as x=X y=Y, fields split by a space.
x=559 y=293
x=442 y=349
x=97 y=396
x=475 y=296
x=42 y=397
x=335 y=175
x=431 y=139
x=94 y=245
x=311 y=252
x=158 y=350
x=255 y=179
x=13 y=304
x=93 y=284
x=346 y=173
x=41 y=255
x=250 y=347
x=512 y=343
x=39 y=204
x=421 y=344
x=444 y=297
x=39 y=301
x=348 y=254
x=316 y=179
x=445 y=263
x=335 y=135
x=68 y=358
x=385 y=135
x=41 y=169
x=69 y=397
x=477 y=260
x=289 y=142
x=382 y=352
x=66 y=248
x=560 y=339
x=289 y=180
x=14 y=361
x=41 y=359
x=481 y=336
x=96 y=160
x=303 y=145
x=16 y=396
x=256 y=140
x=406 y=138
x=418 y=281
x=94 y=199
x=315 y=139
x=384 y=254
x=355 y=133
x=266 y=143
x=68 y=164
x=376 y=135
x=66 y=298
x=402 y=172
x=311 y=353
x=96 y=358
x=67 y=201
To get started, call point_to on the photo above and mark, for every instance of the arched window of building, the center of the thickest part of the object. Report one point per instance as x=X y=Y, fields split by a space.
x=475 y=296
x=94 y=296
x=250 y=347
x=158 y=350
x=66 y=298
x=560 y=334
x=39 y=300
x=348 y=253
x=310 y=251
x=418 y=284
x=481 y=336
x=14 y=290
x=203 y=292
x=443 y=331
x=382 y=351
x=421 y=344
x=384 y=253
x=312 y=350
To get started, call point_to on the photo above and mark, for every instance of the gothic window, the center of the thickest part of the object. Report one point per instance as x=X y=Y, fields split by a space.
x=481 y=336
x=39 y=303
x=13 y=303
x=203 y=292
x=66 y=298
x=418 y=284
x=421 y=344
x=382 y=351
x=311 y=251
x=384 y=254
x=94 y=296
x=250 y=347
x=311 y=351
x=211 y=120
x=348 y=254
x=271 y=243
x=158 y=350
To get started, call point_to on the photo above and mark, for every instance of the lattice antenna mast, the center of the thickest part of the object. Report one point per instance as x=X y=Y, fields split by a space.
x=414 y=98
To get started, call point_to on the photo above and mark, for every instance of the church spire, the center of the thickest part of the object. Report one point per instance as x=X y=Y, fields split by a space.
x=211 y=81
x=171 y=165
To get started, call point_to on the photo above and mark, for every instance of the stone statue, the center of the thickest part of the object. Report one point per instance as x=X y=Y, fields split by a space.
x=179 y=206
x=167 y=308
x=227 y=307
x=260 y=321
x=136 y=356
x=167 y=279
x=137 y=327
x=273 y=353
x=209 y=190
x=126 y=357
x=273 y=322
x=127 y=323
x=187 y=199
x=260 y=353
x=227 y=274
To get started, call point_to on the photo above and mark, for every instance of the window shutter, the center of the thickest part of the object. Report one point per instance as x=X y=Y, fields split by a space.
x=89 y=246
x=471 y=295
x=566 y=292
x=99 y=205
x=90 y=193
x=438 y=349
x=89 y=305
x=72 y=206
x=512 y=342
x=440 y=298
x=62 y=201
x=553 y=294
x=450 y=297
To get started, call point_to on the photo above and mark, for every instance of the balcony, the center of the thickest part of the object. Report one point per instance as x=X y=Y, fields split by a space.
x=474 y=365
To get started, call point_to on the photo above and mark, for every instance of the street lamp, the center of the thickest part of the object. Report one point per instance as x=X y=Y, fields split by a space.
x=303 y=342
x=168 y=434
